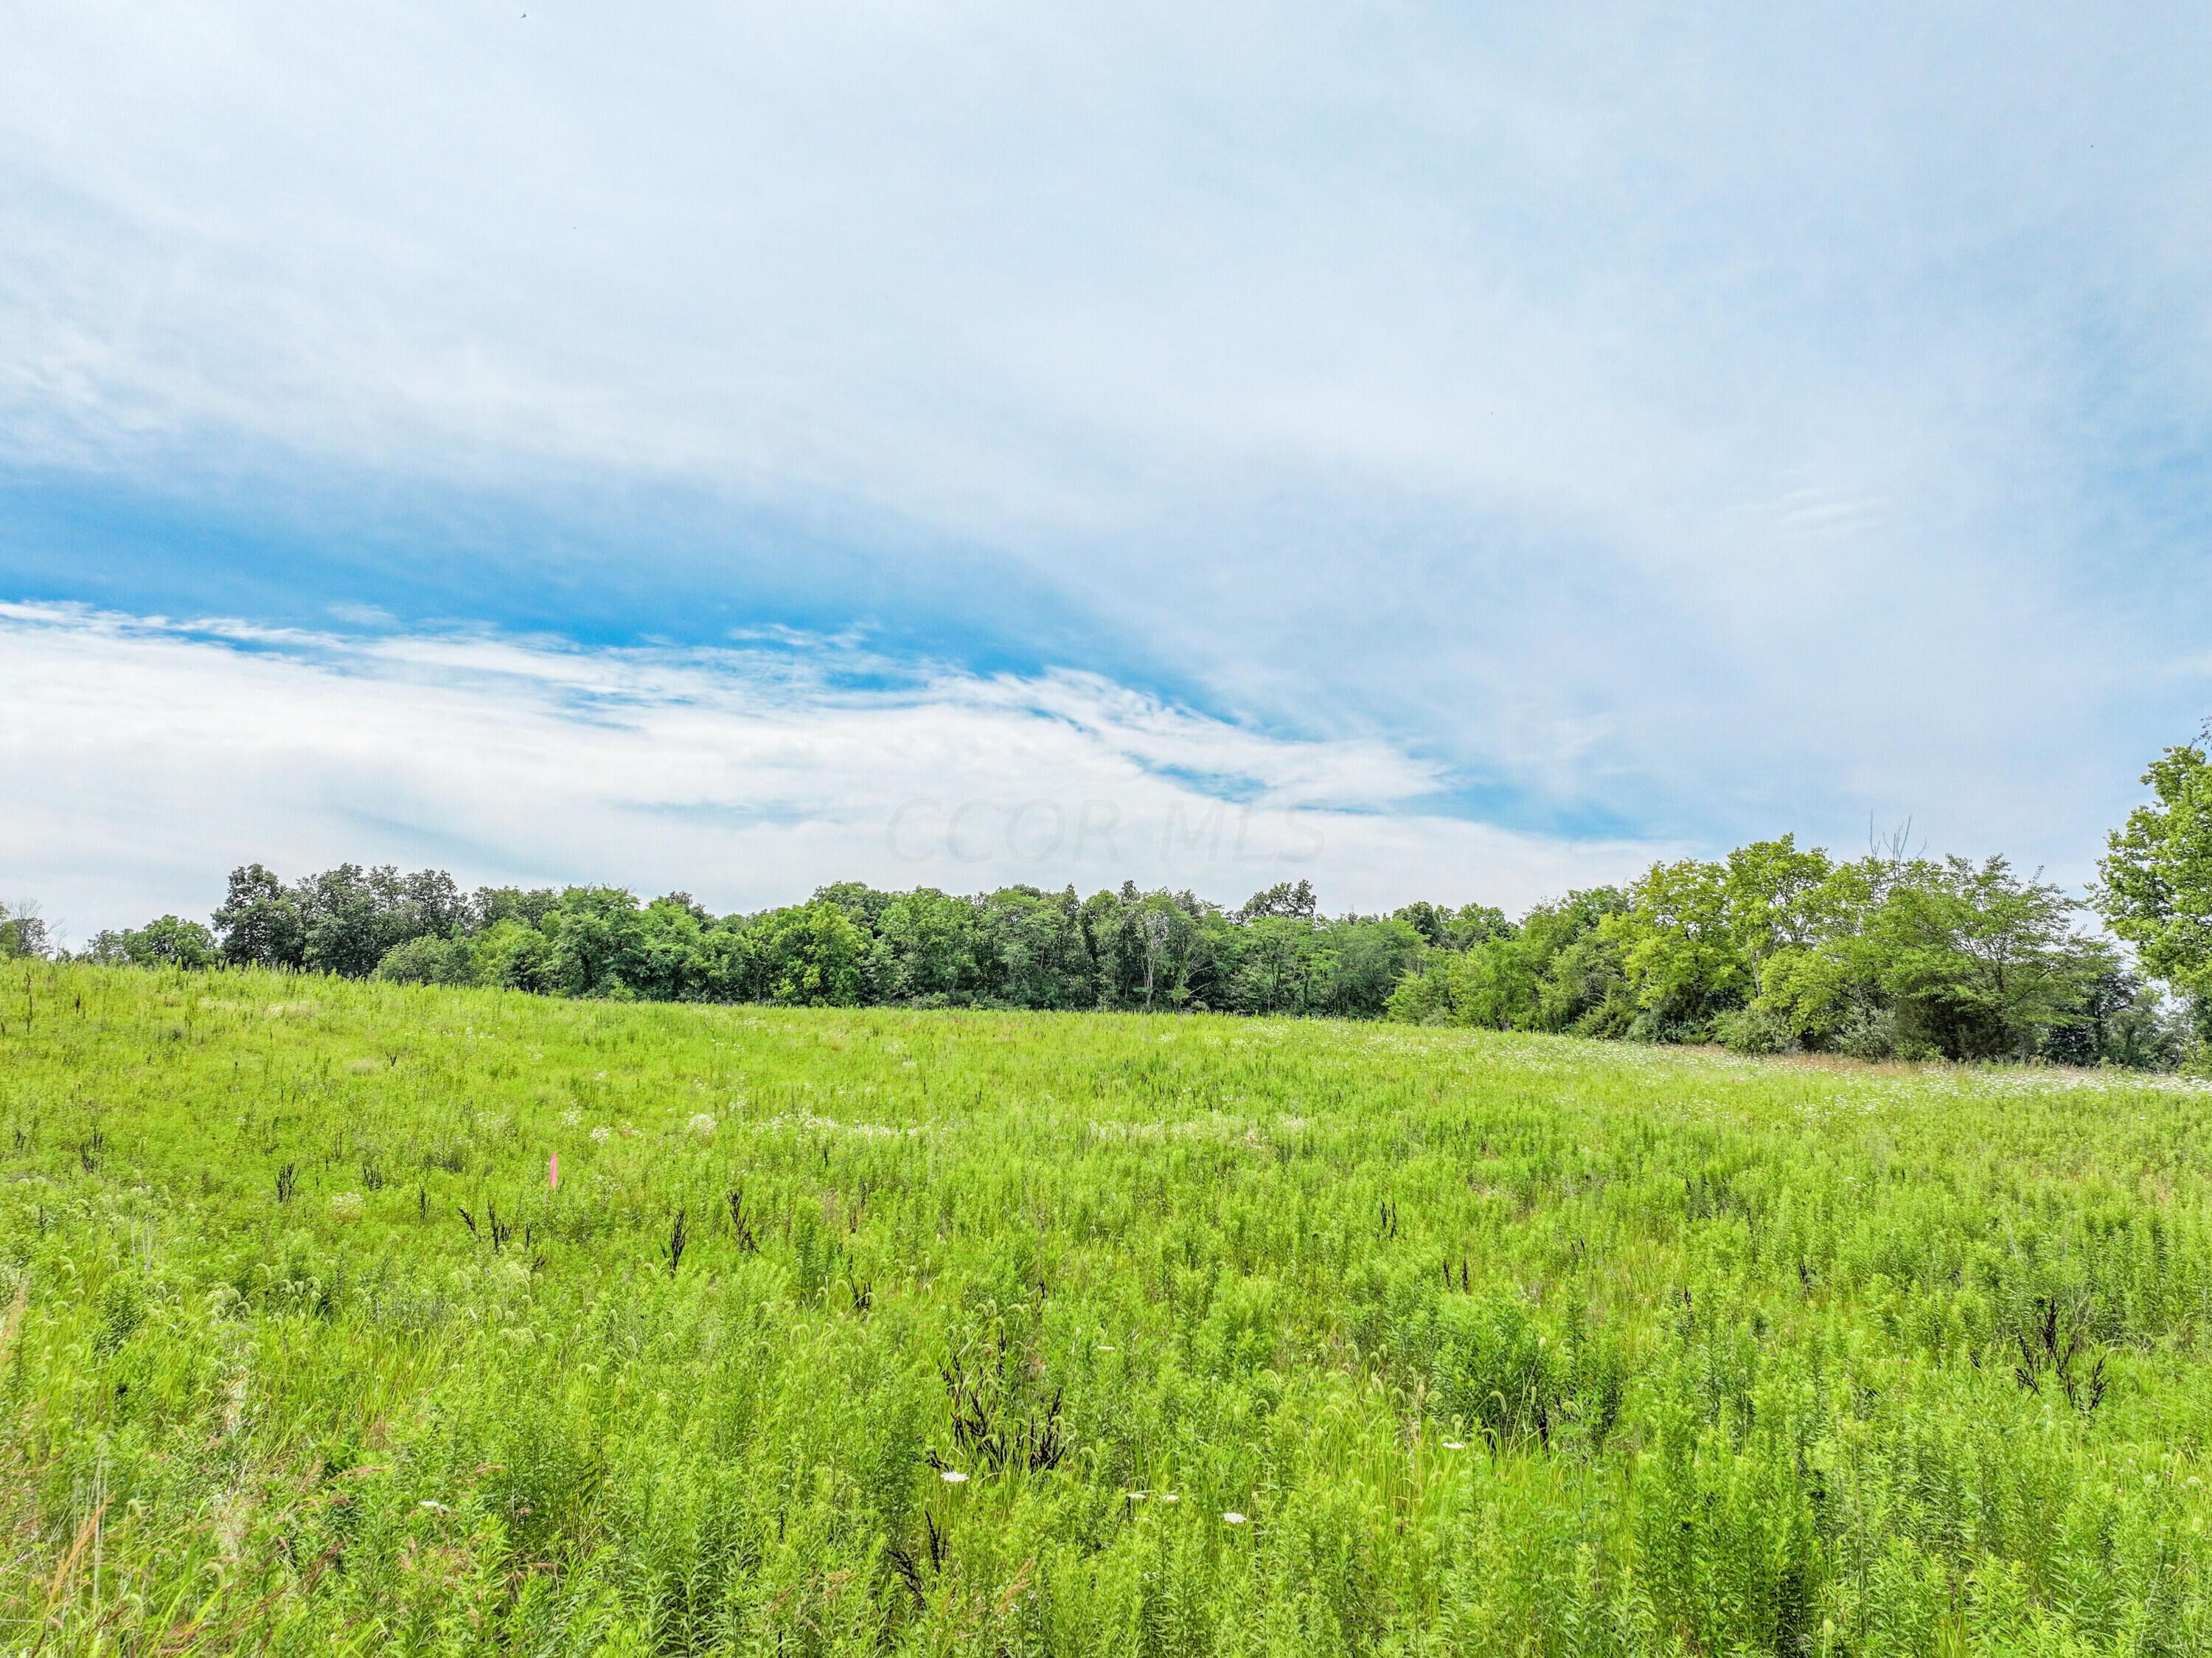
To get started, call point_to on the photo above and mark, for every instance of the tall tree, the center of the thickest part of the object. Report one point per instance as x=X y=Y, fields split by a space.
x=22 y=931
x=599 y=935
x=1292 y=900
x=166 y=943
x=1980 y=962
x=2156 y=886
x=260 y=923
x=929 y=941
x=353 y=915
x=812 y=954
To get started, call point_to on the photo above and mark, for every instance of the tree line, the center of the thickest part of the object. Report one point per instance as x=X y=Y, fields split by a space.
x=850 y=944
x=1774 y=948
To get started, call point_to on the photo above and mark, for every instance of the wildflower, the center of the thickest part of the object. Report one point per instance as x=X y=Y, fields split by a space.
x=1455 y=1445
x=1136 y=1496
x=600 y=1133
x=346 y=1206
x=1233 y=1517
x=572 y=1117
x=702 y=1125
x=953 y=1477
x=1170 y=1496
x=435 y=1508
x=1103 y=1348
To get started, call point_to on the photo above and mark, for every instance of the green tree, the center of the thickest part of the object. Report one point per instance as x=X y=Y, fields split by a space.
x=260 y=923
x=167 y=942
x=429 y=961
x=1474 y=923
x=1774 y=896
x=726 y=966
x=928 y=943
x=2117 y=1021
x=2155 y=889
x=1556 y=970
x=489 y=905
x=1695 y=936
x=1827 y=992
x=1978 y=962
x=22 y=931
x=1272 y=972
x=812 y=955
x=1678 y=948
x=863 y=904
x=351 y=916
x=514 y=955
x=1495 y=983
x=1291 y=901
x=1933 y=957
x=1158 y=949
x=1584 y=985
x=598 y=935
x=1163 y=930
x=1425 y=918
x=1371 y=956
x=1033 y=951
x=664 y=963
x=344 y=914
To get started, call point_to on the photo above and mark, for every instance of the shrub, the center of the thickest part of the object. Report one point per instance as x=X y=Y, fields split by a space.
x=1870 y=1033
x=1419 y=998
x=1750 y=1031
x=429 y=962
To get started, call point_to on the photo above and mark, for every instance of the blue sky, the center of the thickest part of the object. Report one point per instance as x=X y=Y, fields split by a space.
x=1486 y=451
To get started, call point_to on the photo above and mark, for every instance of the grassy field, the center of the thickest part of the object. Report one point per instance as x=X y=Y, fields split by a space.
x=1028 y=1333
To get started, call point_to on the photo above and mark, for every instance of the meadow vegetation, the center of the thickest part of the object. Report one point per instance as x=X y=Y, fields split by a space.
x=889 y=1330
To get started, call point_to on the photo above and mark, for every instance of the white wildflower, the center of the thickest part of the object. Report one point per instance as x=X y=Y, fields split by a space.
x=346 y=1206
x=953 y=1477
x=602 y=1133
x=702 y=1125
x=1233 y=1517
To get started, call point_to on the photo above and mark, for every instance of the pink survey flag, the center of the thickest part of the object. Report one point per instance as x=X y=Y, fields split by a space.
x=553 y=1171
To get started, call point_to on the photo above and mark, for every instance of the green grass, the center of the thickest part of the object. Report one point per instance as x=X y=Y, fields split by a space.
x=1500 y=1343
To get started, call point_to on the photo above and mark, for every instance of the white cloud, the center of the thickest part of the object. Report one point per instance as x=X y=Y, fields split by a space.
x=148 y=756
x=1735 y=420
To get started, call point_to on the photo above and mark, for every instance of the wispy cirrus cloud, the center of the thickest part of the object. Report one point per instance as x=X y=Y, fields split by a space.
x=1670 y=427
x=147 y=755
